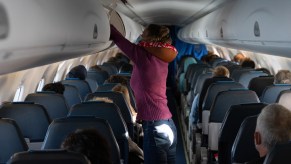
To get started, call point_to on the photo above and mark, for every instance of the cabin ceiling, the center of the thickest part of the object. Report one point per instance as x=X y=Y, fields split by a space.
x=167 y=12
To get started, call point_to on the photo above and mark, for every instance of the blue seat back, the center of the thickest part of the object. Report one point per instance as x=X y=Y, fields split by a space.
x=119 y=100
x=48 y=157
x=214 y=89
x=237 y=72
x=72 y=95
x=246 y=77
x=60 y=128
x=109 y=112
x=225 y=99
x=98 y=76
x=55 y=104
x=230 y=126
x=11 y=139
x=243 y=149
x=31 y=118
x=258 y=84
x=82 y=86
x=272 y=92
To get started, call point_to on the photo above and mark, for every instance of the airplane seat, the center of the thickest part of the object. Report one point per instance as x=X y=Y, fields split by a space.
x=258 y=84
x=98 y=76
x=280 y=153
x=272 y=92
x=198 y=85
x=92 y=84
x=109 y=112
x=190 y=72
x=126 y=68
x=119 y=100
x=243 y=149
x=222 y=103
x=231 y=67
x=11 y=139
x=61 y=127
x=48 y=157
x=216 y=60
x=230 y=126
x=110 y=68
x=32 y=119
x=246 y=77
x=210 y=96
x=82 y=86
x=198 y=71
x=55 y=104
x=237 y=72
x=109 y=86
x=219 y=61
x=72 y=95
x=284 y=99
x=106 y=87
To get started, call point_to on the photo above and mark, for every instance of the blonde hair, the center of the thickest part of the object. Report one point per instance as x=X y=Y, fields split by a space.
x=103 y=99
x=123 y=89
x=220 y=71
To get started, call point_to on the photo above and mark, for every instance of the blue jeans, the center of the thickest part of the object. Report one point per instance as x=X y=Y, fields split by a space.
x=160 y=141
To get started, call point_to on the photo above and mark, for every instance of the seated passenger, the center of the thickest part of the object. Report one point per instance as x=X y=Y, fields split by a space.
x=89 y=143
x=79 y=72
x=123 y=89
x=55 y=87
x=135 y=152
x=220 y=73
x=273 y=127
x=238 y=58
x=118 y=79
x=248 y=63
x=282 y=77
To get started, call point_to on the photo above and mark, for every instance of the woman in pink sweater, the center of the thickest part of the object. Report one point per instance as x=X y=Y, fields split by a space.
x=148 y=81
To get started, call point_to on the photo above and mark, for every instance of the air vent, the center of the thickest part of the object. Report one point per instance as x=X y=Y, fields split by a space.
x=257 y=32
x=95 y=33
x=4 y=26
x=221 y=32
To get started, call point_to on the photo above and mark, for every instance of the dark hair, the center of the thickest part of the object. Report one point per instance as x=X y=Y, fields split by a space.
x=56 y=87
x=78 y=72
x=90 y=143
x=248 y=63
x=96 y=68
x=117 y=79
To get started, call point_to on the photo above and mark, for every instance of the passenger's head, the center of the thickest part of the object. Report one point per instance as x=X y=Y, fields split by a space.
x=117 y=79
x=78 y=72
x=248 y=63
x=89 y=143
x=238 y=58
x=156 y=33
x=103 y=99
x=122 y=89
x=220 y=71
x=283 y=77
x=273 y=126
x=95 y=68
x=55 y=87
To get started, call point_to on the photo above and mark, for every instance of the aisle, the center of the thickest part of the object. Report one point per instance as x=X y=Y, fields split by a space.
x=172 y=103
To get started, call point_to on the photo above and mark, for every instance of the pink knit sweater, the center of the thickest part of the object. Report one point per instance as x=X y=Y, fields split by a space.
x=148 y=80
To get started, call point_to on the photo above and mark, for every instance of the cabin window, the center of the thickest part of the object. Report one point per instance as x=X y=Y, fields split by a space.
x=19 y=93
x=40 y=85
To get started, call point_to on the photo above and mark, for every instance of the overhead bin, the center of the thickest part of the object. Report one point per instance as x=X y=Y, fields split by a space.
x=34 y=33
x=260 y=26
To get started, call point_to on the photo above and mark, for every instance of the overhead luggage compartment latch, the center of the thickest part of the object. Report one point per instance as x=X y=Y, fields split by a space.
x=4 y=25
